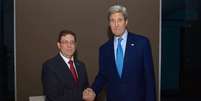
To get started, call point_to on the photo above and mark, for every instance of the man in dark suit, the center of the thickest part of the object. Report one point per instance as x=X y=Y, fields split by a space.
x=125 y=63
x=64 y=77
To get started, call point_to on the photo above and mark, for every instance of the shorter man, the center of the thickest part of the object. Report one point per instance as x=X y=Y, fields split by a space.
x=64 y=77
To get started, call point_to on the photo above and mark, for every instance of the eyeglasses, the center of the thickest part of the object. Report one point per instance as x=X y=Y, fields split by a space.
x=67 y=42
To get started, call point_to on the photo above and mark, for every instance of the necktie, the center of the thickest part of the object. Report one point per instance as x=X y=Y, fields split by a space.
x=72 y=69
x=119 y=57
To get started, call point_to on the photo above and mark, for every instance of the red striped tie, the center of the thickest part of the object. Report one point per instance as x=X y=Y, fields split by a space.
x=72 y=69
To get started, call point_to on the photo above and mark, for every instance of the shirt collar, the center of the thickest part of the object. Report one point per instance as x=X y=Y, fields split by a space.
x=124 y=36
x=65 y=58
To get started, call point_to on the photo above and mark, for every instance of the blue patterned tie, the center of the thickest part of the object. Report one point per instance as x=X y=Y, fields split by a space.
x=119 y=57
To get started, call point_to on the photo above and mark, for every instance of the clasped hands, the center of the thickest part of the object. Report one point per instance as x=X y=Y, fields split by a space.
x=88 y=95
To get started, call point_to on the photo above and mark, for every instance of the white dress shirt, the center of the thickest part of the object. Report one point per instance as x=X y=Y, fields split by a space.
x=66 y=61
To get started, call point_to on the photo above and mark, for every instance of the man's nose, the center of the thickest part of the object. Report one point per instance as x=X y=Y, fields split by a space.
x=68 y=44
x=115 y=23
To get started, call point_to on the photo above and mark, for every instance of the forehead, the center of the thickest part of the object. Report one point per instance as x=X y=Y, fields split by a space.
x=68 y=37
x=117 y=14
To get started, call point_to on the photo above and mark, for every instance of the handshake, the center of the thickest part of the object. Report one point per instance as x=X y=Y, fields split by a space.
x=88 y=95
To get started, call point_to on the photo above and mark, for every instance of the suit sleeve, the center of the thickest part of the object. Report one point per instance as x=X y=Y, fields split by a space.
x=100 y=79
x=51 y=87
x=149 y=73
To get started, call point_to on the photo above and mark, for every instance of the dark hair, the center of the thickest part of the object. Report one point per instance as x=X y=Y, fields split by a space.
x=64 y=33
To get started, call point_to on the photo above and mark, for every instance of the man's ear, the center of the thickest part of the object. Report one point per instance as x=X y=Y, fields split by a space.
x=126 y=22
x=58 y=45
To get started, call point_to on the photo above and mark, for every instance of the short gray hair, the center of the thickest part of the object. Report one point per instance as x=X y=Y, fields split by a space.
x=118 y=9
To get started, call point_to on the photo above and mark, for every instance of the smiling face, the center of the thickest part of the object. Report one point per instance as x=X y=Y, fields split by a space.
x=117 y=23
x=67 y=45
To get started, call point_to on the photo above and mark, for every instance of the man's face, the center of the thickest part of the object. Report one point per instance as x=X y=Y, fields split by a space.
x=67 y=45
x=117 y=23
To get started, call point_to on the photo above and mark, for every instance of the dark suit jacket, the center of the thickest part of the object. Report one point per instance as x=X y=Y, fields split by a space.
x=58 y=82
x=137 y=82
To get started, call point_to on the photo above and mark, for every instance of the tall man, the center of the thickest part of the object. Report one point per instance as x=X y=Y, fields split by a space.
x=125 y=63
x=64 y=77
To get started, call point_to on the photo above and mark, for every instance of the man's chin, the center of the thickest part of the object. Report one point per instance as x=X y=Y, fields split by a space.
x=118 y=35
x=68 y=55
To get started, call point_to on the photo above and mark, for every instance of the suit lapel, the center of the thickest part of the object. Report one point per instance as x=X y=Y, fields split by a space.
x=77 y=66
x=129 y=50
x=64 y=72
